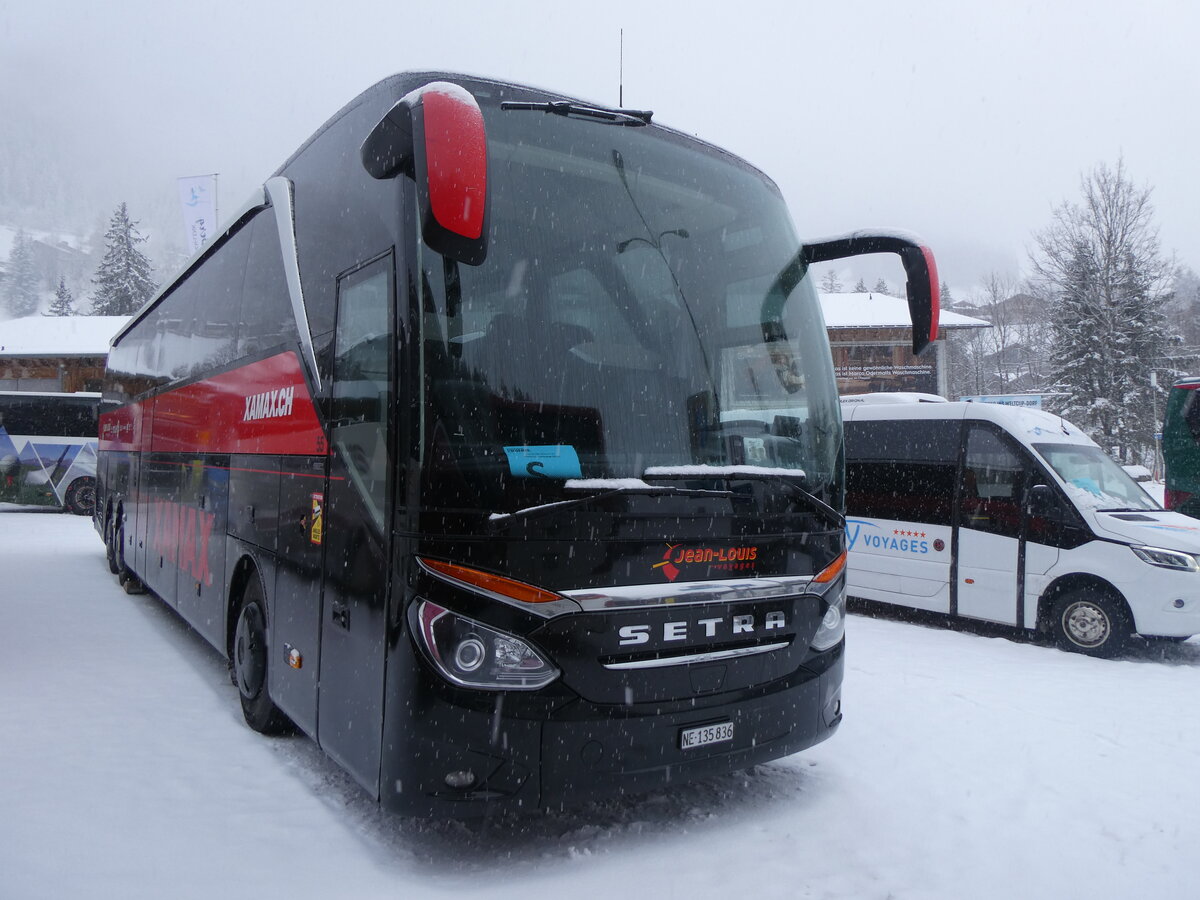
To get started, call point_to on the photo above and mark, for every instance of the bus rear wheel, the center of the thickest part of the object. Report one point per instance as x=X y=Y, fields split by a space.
x=110 y=545
x=1087 y=621
x=125 y=576
x=250 y=662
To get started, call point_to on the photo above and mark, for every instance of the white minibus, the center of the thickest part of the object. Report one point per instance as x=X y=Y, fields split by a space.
x=1014 y=516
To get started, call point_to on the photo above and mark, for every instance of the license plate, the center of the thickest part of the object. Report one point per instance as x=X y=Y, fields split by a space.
x=691 y=738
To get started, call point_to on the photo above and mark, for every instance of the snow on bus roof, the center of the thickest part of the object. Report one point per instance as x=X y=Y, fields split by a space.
x=873 y=310
x=59 y=335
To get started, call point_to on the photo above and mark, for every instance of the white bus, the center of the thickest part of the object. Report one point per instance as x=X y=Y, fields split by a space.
x=48 y=449
x=1014 y=516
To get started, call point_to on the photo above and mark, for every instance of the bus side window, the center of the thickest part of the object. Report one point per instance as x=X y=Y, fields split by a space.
x=267 y=318
x=361 y=385
x=902 y=471
x=992 y=485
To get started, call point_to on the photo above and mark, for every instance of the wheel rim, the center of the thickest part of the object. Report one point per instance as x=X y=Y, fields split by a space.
x=1086 y=624
x=250 y=651
x=85 y=498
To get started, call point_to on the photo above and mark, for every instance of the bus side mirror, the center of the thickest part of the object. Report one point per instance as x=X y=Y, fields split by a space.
x=436 y=136
x=1043 y=503
x=919 y=269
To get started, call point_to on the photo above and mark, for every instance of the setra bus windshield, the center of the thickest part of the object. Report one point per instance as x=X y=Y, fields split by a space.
x=639 y=315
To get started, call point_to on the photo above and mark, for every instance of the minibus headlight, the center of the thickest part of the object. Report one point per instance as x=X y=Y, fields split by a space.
x=1166 y=559
x=471 y=654
x=833 y=625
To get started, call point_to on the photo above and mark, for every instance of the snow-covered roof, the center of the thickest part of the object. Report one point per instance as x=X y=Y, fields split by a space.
x=59 y=335
x=881 y=311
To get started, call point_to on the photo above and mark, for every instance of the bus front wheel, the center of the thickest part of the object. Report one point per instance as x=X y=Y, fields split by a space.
x=1088 y=621
x=250 y=661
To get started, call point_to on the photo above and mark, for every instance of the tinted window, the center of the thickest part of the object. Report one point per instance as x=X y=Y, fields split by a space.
x=215 y=299
x=57 y=416
x=993 y=484
x=362 y=386
x=267 y=319
x=1191 y=413
x=902 y=470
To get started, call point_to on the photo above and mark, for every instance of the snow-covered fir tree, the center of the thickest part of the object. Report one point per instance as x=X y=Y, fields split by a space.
x=63 y=303
x=830 y=283
x=861 y=287
x=123 y=281
x=944 y=298
x=881 y=287
x=1100 y=269
x=21 y=283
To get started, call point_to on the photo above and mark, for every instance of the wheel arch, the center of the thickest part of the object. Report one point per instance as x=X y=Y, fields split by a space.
x=1076 y=581
x=245 y=569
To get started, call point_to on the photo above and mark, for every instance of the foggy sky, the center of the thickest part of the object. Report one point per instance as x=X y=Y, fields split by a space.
x=965 y=125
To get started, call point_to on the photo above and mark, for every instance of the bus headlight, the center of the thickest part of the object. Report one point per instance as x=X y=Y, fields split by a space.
x=1166 y=559
x=471 y=654
x=833 y=625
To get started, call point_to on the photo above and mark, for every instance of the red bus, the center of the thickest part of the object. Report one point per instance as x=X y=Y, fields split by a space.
x=496 y=444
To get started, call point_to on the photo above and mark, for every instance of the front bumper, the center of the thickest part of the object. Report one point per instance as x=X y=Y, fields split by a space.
x=581 y=751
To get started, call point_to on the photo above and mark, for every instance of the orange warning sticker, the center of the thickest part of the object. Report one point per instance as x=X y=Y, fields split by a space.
x=316 y=525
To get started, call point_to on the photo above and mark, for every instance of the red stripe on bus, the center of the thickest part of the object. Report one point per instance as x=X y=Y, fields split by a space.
x=263 y=407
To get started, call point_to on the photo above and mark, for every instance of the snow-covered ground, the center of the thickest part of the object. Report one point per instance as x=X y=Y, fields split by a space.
x=967 y=767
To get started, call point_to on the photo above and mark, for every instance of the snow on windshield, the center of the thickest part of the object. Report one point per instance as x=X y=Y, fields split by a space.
x=1092 y=480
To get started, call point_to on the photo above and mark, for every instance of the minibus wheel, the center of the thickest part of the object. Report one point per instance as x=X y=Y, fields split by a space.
x=250 y=660
x=1088 y=621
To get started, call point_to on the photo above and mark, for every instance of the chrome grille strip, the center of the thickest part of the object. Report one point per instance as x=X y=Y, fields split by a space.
x=631 y=596
x=713 y=656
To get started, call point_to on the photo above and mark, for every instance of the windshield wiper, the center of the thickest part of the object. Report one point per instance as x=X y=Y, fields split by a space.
x=583 y=111
x=634 y=486
x=736 y=473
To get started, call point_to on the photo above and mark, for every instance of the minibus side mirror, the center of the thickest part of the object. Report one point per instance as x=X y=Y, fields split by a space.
x=436 y=136
x=919 y=268
x=1043 y=503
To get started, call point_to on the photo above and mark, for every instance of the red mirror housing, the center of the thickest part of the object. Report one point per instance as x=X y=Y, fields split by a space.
x=920 y=269
x=436 y=135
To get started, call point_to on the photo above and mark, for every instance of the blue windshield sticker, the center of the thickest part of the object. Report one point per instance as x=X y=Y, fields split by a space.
x=552 y=461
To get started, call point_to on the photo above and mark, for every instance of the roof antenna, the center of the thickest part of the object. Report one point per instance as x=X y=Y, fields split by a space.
x=621 y=74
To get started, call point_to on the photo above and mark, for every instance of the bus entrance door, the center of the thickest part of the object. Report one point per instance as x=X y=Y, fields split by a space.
x=989 y=528
x=356 y=527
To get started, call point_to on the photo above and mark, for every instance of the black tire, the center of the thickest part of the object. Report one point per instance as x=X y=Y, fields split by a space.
x=250 y=658
x=128 y=580
x=81 y=496
x=110 y=545
x=1088 y=621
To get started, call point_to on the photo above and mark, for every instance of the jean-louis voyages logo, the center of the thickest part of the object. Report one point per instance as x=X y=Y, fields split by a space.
x=678 y=557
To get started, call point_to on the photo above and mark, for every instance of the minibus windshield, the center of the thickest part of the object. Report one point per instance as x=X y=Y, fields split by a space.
x=1093 y=480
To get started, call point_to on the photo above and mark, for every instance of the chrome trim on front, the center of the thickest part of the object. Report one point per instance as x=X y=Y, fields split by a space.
x=632 y=596
x=279 y=191
x=545 y=610
x=663 y=662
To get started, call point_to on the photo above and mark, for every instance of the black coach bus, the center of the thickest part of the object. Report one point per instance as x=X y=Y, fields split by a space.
x=497 y=446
